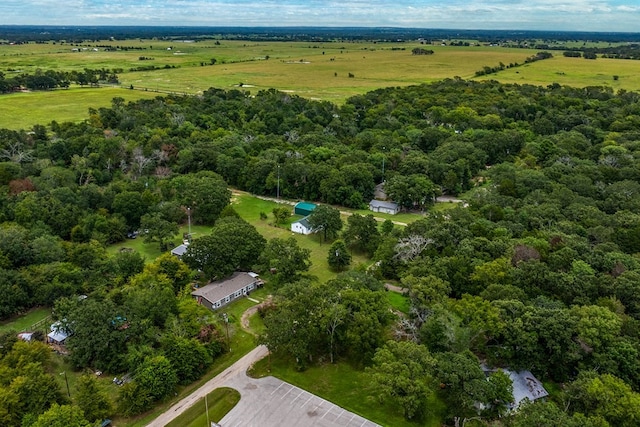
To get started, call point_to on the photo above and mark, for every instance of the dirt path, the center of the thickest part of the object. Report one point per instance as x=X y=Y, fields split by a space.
x=244 y=319
x=394 y=288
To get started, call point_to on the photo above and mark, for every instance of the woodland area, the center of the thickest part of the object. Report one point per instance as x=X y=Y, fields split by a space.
x=540 y=271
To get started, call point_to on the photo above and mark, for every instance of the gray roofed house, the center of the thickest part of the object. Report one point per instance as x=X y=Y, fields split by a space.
x=384 y=207
x=302 y=226
x=525 y=386
x=222 y=292
x=58 y=334
x=180 y=250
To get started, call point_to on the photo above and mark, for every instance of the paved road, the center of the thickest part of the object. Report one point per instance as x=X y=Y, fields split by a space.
x=267 y=402
x=238 y=368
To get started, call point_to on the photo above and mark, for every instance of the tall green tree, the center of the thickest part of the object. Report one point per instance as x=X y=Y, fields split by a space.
x=92 y=398
x=285 y=259
x=362 y=233
x=157 y=229
x=205 y=193
x=403 y=373
x=62 y=416
x=233 y=245
x=327 y=219
x=339 y=257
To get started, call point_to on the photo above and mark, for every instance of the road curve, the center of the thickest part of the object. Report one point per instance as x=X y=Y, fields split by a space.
x=237 y=368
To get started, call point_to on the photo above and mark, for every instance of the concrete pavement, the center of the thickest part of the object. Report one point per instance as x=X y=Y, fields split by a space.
x=267 y=402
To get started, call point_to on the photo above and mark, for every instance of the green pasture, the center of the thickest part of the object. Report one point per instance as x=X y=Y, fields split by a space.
x=347 y=387
x=25 y=321
x=577 y=72
x=23 y=110
x=219 y=402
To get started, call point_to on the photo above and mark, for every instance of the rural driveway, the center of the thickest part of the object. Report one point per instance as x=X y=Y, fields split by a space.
x=267 y=402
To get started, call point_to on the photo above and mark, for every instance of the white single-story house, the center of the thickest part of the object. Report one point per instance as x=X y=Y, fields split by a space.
x=58 y=334
x=302 y=226
x=384 y=207
x=220 y=293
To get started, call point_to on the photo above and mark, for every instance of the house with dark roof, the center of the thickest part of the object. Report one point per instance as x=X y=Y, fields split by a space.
x=221 y=292
x=302 y=226
x=384 y=207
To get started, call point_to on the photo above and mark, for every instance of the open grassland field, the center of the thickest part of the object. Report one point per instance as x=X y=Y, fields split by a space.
x=319 y=71
x=23 y=110
x=574 y=72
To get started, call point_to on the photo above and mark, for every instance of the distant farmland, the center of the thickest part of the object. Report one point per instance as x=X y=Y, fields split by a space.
x=325 y=71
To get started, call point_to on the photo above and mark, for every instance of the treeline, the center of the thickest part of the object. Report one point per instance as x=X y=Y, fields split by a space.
x=627 y=51
x=486 y=70
x=421 y=51
x=51 y=79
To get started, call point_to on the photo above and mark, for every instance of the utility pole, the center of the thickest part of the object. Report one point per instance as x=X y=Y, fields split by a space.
x=278 y=190
x=66 y=381
x=226 y=322
x=383 y=157
x=189 y=219
x=206 y=408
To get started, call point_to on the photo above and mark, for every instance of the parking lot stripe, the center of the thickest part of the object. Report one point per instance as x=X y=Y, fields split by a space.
x=278 y=388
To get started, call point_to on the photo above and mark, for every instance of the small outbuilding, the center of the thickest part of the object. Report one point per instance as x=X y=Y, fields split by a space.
x=220 y=293
x=180 y=250
x=384 y=207
x=302 y=226
x=58 y=334
x=304 y=208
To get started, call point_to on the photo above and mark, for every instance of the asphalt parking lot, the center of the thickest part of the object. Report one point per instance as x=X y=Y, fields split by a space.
x=267 y=402
x=270 y=402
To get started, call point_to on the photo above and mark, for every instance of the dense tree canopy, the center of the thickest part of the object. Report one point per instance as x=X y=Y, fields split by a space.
x=538 y=269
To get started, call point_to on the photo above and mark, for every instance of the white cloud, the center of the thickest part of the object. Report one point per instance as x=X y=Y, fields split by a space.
x=587 y=15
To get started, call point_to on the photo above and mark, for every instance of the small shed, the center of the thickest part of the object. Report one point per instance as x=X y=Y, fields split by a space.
x=180 y=250
x=303 y=208
x=302 y=226
x=384 y=207
x=58 y=334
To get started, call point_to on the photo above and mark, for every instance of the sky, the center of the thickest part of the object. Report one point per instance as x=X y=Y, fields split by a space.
x=562 y=15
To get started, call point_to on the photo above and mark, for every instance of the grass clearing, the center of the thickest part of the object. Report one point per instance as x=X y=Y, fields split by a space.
x=249 y=208
x=25 y=321
x=220 y=401
x=398 y=301
x=24 y=110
